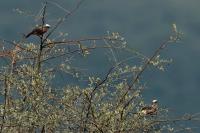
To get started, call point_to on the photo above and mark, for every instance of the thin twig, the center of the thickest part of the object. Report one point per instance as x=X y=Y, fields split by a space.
x=41 y=40
x=135 y=80
x=77 y=41
x=74 y=51
x=63 y=19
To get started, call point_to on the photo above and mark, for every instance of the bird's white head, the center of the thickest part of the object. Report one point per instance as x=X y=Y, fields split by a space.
x=155 y=101
x=47 y=25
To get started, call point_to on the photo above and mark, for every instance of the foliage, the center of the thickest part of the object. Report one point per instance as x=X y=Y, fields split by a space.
x=32 y=102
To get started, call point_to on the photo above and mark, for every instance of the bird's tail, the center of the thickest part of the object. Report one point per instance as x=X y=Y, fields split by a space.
x=28 y=35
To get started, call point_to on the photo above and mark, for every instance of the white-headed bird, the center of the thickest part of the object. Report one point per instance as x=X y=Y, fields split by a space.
x=39 y=30
x=152 y=109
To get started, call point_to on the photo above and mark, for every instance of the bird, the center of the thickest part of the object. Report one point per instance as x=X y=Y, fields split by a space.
x=152 y=109
x=39 y=30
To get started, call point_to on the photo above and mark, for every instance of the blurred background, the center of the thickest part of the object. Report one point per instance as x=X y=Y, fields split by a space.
x=144 y=24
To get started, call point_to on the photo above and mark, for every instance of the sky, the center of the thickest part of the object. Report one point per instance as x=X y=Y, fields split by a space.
x=144 y=24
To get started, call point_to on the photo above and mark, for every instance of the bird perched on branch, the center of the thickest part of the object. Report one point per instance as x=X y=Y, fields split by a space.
x=152 y=109
x=39 y=30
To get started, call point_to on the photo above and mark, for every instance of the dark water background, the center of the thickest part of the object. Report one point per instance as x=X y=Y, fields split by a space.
x=144 y=24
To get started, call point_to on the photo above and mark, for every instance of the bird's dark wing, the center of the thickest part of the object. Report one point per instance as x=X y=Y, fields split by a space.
x=34 y=31
x=146 y=108
x=29 y=34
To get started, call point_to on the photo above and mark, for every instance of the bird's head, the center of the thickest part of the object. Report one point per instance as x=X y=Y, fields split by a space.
x=155 y=101
x=47 y=26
